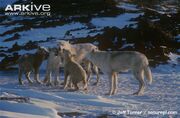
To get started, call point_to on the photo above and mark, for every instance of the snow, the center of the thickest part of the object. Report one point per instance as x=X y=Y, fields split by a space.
x=24 y=109
x=49 y=101
x=174 y=58
x=40 y=34
x=173 y=67
x=43 y=33
x=21 y=52
x=120 y=21
x=96 y=43
x=128 y=6
x=5 y=28
x=127 y=45
x=46 y=101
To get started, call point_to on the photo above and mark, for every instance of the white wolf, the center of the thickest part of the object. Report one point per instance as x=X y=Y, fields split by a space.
x=73 y=71
x=115 y=61
x=80 y=50
x=54 y=63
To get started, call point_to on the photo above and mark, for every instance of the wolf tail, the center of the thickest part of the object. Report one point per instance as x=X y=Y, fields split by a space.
x=148 y=74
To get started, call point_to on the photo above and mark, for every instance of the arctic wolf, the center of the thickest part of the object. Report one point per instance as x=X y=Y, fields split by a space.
x=113 y=62
x=73 y=71
x=31 y=62
x=54 y=63
x=79 y=51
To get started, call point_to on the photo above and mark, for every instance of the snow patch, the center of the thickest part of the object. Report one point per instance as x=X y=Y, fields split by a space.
x=128 y=6
x=120 y=21
x=47 y=101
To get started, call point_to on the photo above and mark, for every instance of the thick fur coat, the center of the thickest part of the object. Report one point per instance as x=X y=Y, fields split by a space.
x=73 y=71
x=113 y=62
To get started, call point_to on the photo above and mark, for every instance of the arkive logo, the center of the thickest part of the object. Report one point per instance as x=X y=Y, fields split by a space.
x=28 y=9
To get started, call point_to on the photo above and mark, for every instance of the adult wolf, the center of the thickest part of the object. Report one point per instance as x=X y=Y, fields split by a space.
x=79 y=51
x=31 y=62
x=73 y=71
x=54 y=62
x=115 y=61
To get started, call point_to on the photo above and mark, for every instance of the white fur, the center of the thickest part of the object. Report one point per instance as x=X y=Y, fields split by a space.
x=116 y=61
x=73 y=71
x=80 y=50
x=53 y=65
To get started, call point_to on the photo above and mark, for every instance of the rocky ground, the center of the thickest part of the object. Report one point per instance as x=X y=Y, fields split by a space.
x=152 y=29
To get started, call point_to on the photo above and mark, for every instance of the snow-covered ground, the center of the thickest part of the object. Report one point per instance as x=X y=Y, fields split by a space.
x=160 y=99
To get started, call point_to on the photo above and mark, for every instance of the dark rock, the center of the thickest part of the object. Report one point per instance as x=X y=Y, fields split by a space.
x=9 y=61
x=15 y=37
x=15 y=47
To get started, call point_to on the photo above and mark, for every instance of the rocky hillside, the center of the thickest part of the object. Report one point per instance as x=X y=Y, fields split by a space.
x=152 y=28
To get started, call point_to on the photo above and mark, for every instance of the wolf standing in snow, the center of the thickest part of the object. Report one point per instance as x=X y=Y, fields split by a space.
x=54 y=62
x=73 y=71
x=31 y=62
x=113 y=62
x=79 y=51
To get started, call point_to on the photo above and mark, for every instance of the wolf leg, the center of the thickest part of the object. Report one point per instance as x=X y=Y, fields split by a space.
x=36 y=76
x=111 y=83
x=49 y=82
x=56 y=82
x=97 y=74
x=115 y=83
x=47 y=76
x=27 y=74
x=66 y=76
x=139 y=75
x=88 y=68
x=85 y=84
x=75 y=86
x=20 y=76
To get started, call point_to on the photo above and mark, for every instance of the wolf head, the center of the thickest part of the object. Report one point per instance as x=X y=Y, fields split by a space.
x=68 y=55
x=64 y=45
